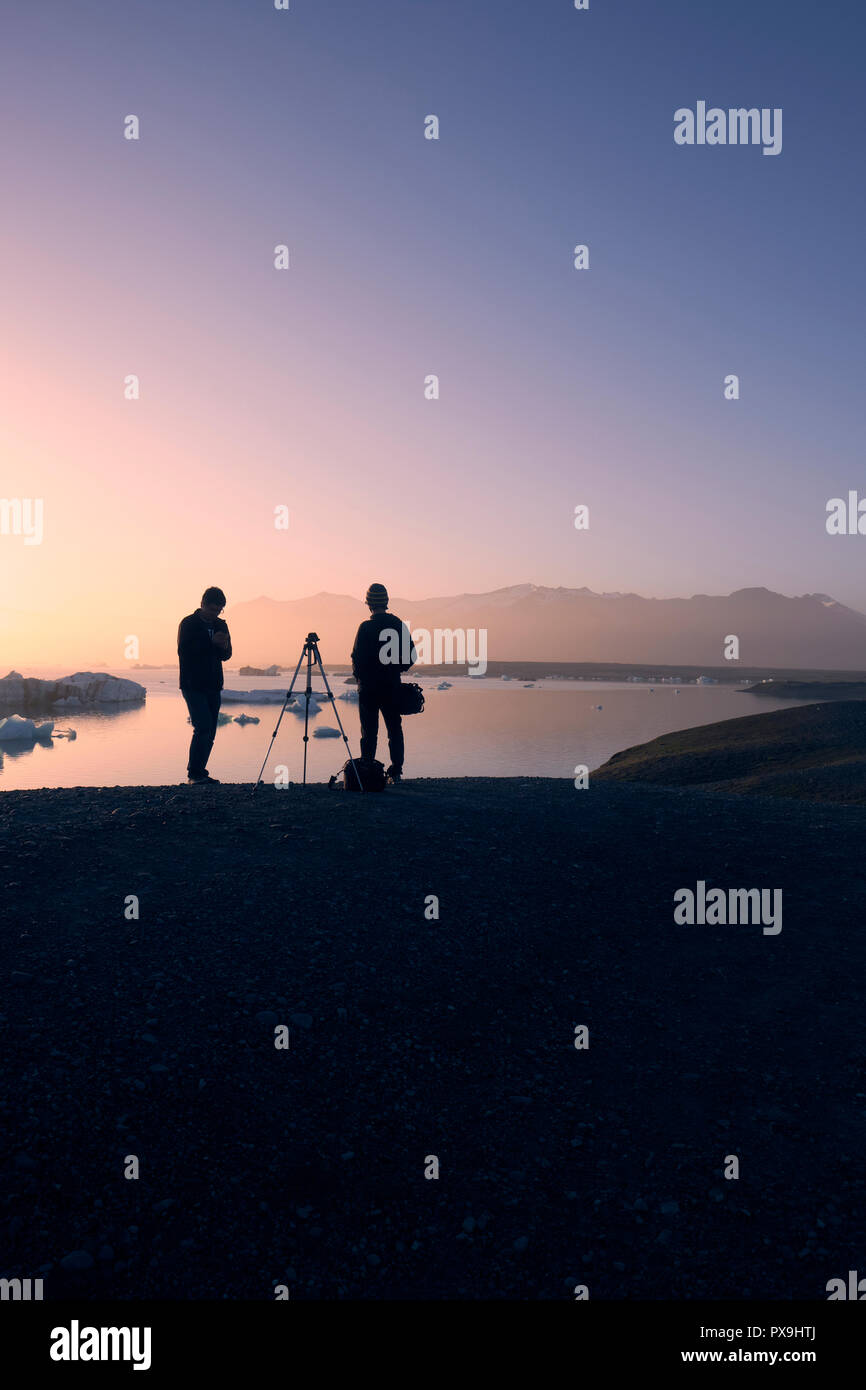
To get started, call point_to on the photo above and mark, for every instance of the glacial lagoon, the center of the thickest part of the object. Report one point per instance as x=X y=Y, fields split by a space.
x=477 y=727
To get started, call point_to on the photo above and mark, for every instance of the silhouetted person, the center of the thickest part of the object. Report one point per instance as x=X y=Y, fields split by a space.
x=203 y=644
x=383 y=648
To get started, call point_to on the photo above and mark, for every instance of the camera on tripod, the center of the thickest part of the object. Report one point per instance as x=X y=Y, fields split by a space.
x=310 y=650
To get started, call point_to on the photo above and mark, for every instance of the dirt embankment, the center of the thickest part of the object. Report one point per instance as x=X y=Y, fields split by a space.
x=812 y=753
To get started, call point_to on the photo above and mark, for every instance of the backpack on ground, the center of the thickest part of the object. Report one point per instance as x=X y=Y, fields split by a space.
x=372 y=776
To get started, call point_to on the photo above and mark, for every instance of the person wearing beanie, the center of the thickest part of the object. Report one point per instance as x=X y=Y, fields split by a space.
x=383 y=649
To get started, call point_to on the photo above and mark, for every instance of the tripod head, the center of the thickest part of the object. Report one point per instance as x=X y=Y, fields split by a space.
x=312 y=637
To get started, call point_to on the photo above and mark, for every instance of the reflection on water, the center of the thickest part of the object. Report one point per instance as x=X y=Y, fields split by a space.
x=476 y=728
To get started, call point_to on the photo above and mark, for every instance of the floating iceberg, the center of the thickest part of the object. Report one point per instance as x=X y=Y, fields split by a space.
x=246 y=719
x=325 y=731
x=298 y=704
x=350 y=695
x=84 y=688
x=14 y=729
x=101 y=689
x=254 y=697
x=444 y=685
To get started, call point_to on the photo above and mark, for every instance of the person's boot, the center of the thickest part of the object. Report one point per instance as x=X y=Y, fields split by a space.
x=394 y=774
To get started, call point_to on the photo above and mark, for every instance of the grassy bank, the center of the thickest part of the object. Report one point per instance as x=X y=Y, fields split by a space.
x=814 y=752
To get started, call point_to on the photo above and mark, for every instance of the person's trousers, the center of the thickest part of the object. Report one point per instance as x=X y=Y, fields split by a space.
x=204 y=708
x=370 y=702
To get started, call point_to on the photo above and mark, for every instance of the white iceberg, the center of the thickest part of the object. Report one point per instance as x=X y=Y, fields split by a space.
x=325 y=731
x=298 y=704
x=71 y=692
x=100 y=689
x=350 y=695
x=15 y=729
x=246 y=719
x=253 y=697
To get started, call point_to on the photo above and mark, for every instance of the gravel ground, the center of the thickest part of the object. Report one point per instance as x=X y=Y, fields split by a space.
x=411 y=1038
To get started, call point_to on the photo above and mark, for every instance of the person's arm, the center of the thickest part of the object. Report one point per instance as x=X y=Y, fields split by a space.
x=225 y=651
x=186 y=636
x=356 y=653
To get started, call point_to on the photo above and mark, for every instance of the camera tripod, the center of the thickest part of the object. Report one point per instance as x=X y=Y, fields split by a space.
x=310 y=650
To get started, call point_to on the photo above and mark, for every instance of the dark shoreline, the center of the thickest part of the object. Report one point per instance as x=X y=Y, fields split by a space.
x=809 y=690
x=412 y=1037
x=813 y=753
x=729 y=674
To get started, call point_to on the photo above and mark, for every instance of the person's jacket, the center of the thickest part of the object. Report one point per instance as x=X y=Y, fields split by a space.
x=370 y=647
x=201 y=661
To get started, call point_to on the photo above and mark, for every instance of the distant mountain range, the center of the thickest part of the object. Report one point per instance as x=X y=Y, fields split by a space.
x=527 y=622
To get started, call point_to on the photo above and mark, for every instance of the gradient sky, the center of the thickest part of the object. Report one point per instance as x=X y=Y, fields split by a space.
x=410 y=257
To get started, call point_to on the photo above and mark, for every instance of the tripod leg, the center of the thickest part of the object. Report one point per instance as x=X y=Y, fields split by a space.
x=307 y=710
x=280 y=720
x=338 y=719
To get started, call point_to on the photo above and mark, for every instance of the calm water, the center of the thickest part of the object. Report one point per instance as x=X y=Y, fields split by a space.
x=480 y=727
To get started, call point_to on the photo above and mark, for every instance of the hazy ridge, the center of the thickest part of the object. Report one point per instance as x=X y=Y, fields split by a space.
x=528 y=622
